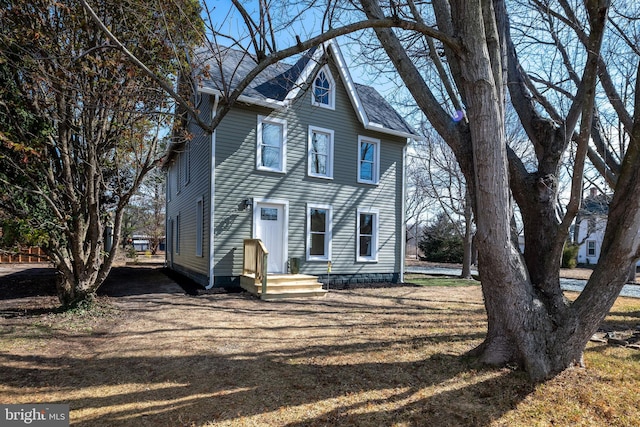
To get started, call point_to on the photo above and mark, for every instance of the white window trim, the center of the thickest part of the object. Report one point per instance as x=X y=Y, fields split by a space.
x=283 y=150
x=376 y=160
x=332 y=89
x=330 y=132
x=328 y=233
x=374 y=239
x=594 y=248
x=199 y=226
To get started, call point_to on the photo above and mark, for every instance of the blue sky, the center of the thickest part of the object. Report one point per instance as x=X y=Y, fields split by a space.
x=228 y=21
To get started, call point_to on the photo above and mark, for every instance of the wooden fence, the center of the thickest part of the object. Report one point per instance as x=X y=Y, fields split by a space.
x=25 y=256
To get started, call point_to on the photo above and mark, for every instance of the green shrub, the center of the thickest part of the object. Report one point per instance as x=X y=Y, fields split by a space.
x=569 y=256
x=441 y=241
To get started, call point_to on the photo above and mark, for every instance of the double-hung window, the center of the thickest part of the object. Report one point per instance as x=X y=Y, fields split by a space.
x=320 y=152
x=368 y=160
x=186 y=156
x=199 y=226
x=324 y=94
x=272 y=144
x=591 y=248
x=367 y=240
x=318 y=232
x=177 y=233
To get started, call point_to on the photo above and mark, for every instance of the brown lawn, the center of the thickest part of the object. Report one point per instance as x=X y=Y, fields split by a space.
x=383 y=356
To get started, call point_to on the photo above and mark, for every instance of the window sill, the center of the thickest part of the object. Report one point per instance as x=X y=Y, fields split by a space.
x=318 y=259
x=326 y=178
x=325 y=106
x=280 y=172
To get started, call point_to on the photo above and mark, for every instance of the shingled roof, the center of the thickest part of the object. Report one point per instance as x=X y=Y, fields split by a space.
x=280 y=82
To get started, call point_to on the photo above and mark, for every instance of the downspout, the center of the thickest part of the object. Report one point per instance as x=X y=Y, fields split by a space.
x=403 y=231
x=167 y=189
x=212 y=195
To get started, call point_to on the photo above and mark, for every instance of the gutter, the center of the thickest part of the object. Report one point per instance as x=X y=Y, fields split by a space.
x=267 y=102
x=379 y=128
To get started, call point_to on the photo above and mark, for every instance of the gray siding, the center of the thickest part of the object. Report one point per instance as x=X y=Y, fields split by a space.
x=237 y=179
x=182 y=200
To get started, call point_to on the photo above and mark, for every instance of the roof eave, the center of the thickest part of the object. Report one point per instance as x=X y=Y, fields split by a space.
x=267 y=102
x=379 y=128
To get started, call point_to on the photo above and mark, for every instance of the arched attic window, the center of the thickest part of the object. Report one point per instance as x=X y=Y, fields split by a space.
x=324 y=93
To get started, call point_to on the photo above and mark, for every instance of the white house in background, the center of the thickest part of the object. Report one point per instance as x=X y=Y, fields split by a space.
x=591 y=223
x=307 y=162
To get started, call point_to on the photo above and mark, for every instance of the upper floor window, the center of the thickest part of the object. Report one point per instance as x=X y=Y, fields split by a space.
x=179 y=172
x=368 y=160
x=324 y=89
x=186 y=158
x=168 y=177
x=272 y=144
x=320 y=152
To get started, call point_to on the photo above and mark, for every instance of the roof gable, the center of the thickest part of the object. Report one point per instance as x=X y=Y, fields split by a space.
x=279 y=84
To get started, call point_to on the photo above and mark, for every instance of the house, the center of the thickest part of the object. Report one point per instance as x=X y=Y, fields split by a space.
x=307 y=166
x=591 y=223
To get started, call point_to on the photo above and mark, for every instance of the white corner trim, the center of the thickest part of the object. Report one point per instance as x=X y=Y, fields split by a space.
x=212 y=196
x=403 y=215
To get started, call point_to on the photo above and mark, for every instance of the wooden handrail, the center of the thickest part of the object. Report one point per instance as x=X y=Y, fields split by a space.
x=255 y=261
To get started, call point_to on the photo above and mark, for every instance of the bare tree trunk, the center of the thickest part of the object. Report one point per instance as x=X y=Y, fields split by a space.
x=631 y=279
x=529 y=323
x=468 y=238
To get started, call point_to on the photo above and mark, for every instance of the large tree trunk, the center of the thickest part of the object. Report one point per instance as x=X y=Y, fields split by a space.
x=631 y=278
x=82 y=271
x=74 y=291
x=468 y=238
x=529 y=322
x=516 y=324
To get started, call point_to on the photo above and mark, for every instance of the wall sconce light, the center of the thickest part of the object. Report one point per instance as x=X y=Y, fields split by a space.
x=247 y=204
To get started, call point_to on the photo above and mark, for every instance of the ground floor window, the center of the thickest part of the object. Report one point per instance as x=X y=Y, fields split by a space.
x=367 y=240
x=318 y=232
x=177 y=234
x=591 y=248
x=199 y=226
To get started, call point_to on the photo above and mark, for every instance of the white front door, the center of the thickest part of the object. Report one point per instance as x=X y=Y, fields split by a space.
x=271 y=227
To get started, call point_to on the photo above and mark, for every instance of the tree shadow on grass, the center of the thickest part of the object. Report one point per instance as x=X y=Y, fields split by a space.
x=299 y=383
x=34 y=289
x=166 y=391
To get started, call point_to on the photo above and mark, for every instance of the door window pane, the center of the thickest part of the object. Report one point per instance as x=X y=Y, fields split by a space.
x=269 y=214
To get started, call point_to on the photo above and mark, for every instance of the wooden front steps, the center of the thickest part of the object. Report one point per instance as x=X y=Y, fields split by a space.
x=282 y=286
